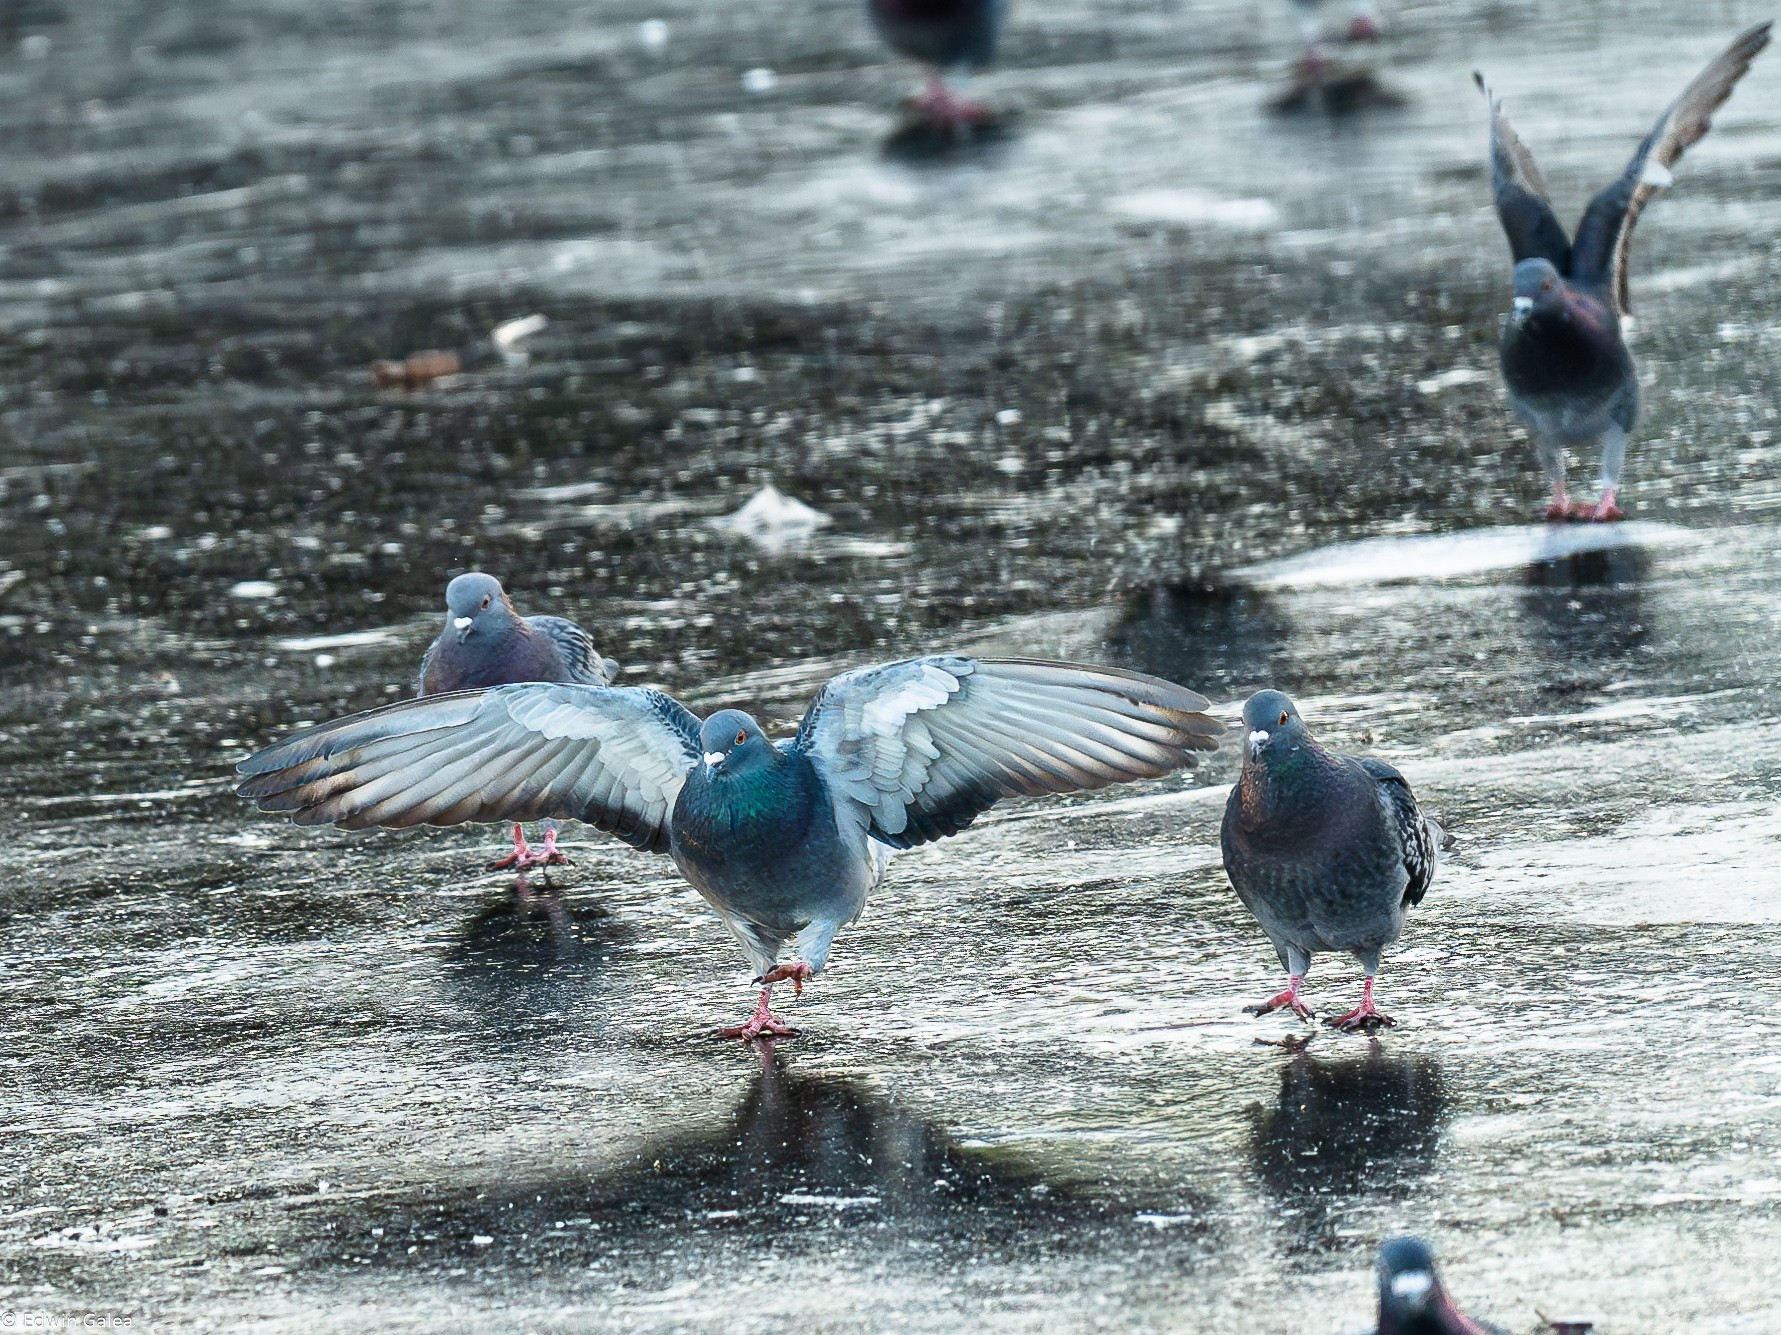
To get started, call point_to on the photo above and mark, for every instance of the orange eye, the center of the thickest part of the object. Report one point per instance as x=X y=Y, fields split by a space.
x=1283 y=719
x=741 y=737
x=485 y=604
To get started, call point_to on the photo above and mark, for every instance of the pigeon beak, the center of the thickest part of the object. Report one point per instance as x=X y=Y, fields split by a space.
x=1257 y=740
x=463 y=627
x=713 y=759
x=1412 y=1288
x=1521 y=308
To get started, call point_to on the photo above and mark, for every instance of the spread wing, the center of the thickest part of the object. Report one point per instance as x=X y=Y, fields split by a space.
x=918 y=749
x=613 y=757
x=1533 y=229
x=1419 y=837
x=1605 y=236
x=577 y=648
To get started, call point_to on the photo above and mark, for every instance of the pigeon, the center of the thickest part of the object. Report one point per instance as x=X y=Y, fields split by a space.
x=954 y=37
x=1570 y=377
x=1412 y=1299
x=1326 y=850
x=484 y=642
x=783 y=839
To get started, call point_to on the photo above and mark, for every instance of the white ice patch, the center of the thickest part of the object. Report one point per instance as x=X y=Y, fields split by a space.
x=1198 y=206
x=1459 y=375
x=254 y=588
x=773 y=520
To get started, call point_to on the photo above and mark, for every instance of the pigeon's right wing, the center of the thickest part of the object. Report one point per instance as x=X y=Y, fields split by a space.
x=1419 y=837
x=1605 y=236
x=577 y=648
x=613 y=757
x=918 y=748
x=1533 y=229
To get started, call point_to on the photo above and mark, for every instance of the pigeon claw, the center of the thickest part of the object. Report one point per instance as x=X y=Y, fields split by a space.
x=1287 y=998
x=763 y=1021
x=1363 y=1019
x=795 y=973
x=943 y=109
x=524 y=855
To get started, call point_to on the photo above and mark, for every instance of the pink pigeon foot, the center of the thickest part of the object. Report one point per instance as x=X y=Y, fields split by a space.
x=1363 y=29
x=1560 y=508
x=523 y=856
x=1604 y=511
x=1290 y=997
x=945 y=109
x=1365 y=1017
x=763 y=1021
x=796 y=973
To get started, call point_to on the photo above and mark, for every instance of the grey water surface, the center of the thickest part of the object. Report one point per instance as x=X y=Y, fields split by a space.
x=1152 y=377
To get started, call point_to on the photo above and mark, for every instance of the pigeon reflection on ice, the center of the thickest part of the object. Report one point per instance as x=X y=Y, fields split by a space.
x=1571 y=379
x=1588 y=606
x=1341 y=1131
x=485 y=642
x=784 y=840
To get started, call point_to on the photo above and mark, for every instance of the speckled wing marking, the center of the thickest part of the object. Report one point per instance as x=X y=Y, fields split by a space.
x=1605 y=236
x=1419 y=838
x=918 y=749
x=613 y=757
x=585 y=662
x=1533 y=229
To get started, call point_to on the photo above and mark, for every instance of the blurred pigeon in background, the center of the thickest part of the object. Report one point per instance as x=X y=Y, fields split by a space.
x=783 y=839
x=955 y=38
x=1412 y=1299
x=1326 y=850
x=1570 y=377
x=484 y=642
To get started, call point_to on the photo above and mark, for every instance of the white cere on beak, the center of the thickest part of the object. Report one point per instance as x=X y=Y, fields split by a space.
x=1257 y=740
x=1412 y=1286
x=1521 y=306
x=713 y=759
x=462 y=623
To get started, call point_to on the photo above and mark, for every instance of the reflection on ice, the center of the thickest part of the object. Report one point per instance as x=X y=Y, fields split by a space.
x=1341 y=1130
x=1451 y=555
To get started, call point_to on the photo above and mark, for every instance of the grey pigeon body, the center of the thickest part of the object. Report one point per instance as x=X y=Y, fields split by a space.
x=1570 y=377
x=1412 y=1299
x=1326 y=850
x=784 y=840
x=484 y=643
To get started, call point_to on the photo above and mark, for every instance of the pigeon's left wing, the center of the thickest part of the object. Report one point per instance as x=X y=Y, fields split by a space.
x=577 y=648
x=917 y=749
x=613 y=757
x=1605 y=236
x=1533 y=229
x=1419 y=837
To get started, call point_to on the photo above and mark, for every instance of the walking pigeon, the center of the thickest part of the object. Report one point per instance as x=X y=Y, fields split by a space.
x=1326 y=850
x=484 y=642
x=1570 y=377
x=1412 y=1299
x=955 y=38
x=784 y=839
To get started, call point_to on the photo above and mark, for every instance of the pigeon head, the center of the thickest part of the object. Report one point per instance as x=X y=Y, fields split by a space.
x=476 y=603
x=1407 y=1284
x=1272 y=724
x=733 y=743
x=1538 y=287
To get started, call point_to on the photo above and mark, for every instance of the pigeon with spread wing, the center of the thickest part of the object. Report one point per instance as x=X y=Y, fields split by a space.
x=783 y=839
x=1570 y=377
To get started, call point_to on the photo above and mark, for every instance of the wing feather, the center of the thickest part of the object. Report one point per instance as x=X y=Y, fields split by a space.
x=918 y=749
x=1533 y=229
x=613 y=757
x=1605 y=236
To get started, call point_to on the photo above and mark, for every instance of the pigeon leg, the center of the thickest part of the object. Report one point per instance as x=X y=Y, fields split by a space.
x=763 y=1021
x=950 y=108
x=523 y=856
x=1365 y=1017
x=1613 y=460
x=1290 y=997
